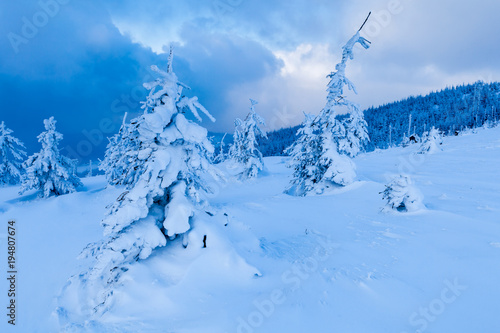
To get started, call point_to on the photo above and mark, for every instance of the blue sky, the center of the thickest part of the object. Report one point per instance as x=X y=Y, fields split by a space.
x=84 y=62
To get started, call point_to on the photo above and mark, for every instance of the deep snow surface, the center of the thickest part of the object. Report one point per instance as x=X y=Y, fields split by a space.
x=330 y=263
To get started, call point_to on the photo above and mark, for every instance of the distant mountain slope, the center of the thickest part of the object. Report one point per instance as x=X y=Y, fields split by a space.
x=450 y=110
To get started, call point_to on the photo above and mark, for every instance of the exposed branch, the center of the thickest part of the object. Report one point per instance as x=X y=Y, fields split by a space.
x=365 y=21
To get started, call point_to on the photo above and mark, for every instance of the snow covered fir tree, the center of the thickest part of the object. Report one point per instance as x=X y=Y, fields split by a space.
x=322 y=160
x=120 y=163
x=431 y=142
x=12 y=155
x=90 y=171
x=244 y=150
x=304 y=154
x=166 y=202
x=401 y=195
x=48 y=171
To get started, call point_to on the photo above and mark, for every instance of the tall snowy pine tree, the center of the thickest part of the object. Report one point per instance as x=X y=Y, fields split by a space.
x=244 y=149
x=48 y=171
x=356 y=129
x=331 y=166
x=11 y=157
x=166 y=200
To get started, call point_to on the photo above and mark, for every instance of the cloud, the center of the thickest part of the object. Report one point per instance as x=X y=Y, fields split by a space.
x=86 y=63
x=213 y=63
x=275 y=24
x=73 y=68
x=299 y=86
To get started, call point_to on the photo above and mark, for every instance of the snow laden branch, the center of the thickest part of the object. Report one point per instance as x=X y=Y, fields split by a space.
x=338 y=79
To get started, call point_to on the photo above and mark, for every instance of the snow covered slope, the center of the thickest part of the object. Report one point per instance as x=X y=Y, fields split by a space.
x=330 y=263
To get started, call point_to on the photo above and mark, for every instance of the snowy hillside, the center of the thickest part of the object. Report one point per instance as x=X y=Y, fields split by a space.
x=277 y=263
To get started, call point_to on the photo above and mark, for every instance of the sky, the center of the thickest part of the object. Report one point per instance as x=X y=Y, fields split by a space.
x=84 y=62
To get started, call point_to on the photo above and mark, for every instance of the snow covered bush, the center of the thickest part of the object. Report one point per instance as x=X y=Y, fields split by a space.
x=431 y=142
x=320 y=155
x=11 y=157
x=165 y=202
x=48 y=171
x=401 y=195
x=244 y=150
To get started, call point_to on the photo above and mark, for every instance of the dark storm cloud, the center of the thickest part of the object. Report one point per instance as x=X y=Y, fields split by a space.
x=72 y=67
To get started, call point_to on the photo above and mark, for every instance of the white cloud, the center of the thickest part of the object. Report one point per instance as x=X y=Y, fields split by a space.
x=299 y=86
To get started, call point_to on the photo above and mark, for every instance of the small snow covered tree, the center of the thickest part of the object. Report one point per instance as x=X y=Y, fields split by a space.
x=11 y=157
x=167 y=199
x=244 y=150
x=48 y=171
x=221 y=156
x=401 y=195
x=89 y=173
x=236 y=149
x=304 y=154
x=431 y=142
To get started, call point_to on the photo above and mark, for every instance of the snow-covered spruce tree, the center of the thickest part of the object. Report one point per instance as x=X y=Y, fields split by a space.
x=355 y=138
x=166 y=201
x=304 y=154
x=401 y=195
x=236 y=149
x=334 y=166
x=48 y=171
x=431 y=142
x=11 y=157
x=90 y=172
x=121 y=163
x=244 y=150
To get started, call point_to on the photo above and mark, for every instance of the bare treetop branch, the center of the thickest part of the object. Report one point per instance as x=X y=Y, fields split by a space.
x=366 y=20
